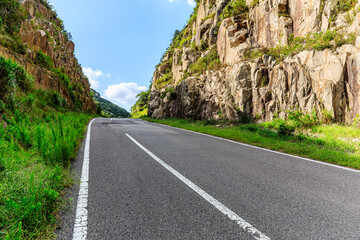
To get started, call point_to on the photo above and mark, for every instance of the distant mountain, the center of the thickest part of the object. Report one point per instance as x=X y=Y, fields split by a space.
x=110 y=109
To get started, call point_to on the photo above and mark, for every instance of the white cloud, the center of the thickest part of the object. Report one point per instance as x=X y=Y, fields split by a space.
x=190 y=2
x=124 y=93
x=94 y=76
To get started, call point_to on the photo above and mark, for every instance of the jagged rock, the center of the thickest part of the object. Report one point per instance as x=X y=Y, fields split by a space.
x=232 y=38
x=353 y=86
x=306 y=15
x=326 y=82
x=41 y=34
x=272 y=24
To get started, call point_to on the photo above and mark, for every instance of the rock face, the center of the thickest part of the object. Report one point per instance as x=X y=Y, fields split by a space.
x=42 y=31
x=325 y=81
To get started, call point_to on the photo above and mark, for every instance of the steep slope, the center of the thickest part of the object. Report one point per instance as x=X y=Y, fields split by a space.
x=33 y=36
x=262 y=59
x=108 y=108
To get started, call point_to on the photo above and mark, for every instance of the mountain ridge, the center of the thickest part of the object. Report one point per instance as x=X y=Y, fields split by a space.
x=108 y=108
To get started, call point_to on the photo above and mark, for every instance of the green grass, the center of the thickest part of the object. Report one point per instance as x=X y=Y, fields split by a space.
x=328 y=143
x=39 y=137
x=140 y=114
x=34 y=170
x=209 y=62
x=330 y=39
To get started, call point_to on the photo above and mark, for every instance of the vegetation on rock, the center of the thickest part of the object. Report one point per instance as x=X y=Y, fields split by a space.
x=140 y=108
x=38 y=139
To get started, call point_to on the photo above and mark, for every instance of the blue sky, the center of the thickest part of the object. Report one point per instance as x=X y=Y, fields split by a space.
x=119 y=42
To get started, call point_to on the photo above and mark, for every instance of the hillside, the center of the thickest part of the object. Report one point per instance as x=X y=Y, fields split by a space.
x=33 y=36
x=108 y=108
x=262 y=60
x=45 y=106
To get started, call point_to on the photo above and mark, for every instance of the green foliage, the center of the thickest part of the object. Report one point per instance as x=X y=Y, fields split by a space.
x=194 y=13
x=14 y=43
x=108 y=108
x=295 y=120
x=212 y=3
x=35 y=155
x=209 y=62
x=184 y=42
x=50 y=98
x=254 y=3
x=44 y=60
x=300 y=119
x=324 y=142
x=313 y=41
x=12 y=78
x=235 y=7
x=37 y=143
x=12 y=15
x=164 y=80
x=140 y=108
x=253 y=54
x=346 y=5
x=46 y=3
x=356 y=122
x=210 y=16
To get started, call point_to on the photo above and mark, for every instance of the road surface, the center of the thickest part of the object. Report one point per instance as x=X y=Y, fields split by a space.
x=148 y=181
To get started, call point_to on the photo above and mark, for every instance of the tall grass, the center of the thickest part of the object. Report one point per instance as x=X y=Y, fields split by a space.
x=332 y=143
x=38 y=140
x=34 y=159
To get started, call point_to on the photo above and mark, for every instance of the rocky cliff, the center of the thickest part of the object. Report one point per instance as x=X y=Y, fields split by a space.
x=262 y=59
x=34 y=36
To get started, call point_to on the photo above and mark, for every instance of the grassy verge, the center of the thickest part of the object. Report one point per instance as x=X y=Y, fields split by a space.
x=331 y=143
x=34 y=164
x=39 y=137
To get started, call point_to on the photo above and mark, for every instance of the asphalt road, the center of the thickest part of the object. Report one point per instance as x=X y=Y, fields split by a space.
x=148 y=181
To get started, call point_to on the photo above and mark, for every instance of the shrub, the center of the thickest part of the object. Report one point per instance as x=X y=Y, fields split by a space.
x=140 y=108
x=194 y=13
x=12 y=15
x=46 y=3
x=44 y=60
x=12 y=76
x=35 y=151
x=164 y=80
x=313 y=41
x=300 y=119
x=13 y=43
x=346 y=5
x=209 y=62
x=235 y=7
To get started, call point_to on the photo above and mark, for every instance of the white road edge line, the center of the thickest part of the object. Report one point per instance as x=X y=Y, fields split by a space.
x=80 y=226
x=218 y=205
x=260 y=148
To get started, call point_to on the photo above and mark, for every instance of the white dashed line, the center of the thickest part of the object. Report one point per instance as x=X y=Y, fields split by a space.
x=80 y=227
x=218 y=205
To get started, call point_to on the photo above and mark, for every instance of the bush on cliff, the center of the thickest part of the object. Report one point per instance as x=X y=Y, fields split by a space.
x=37 y=143
x=140 y=108
x=11 y=15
